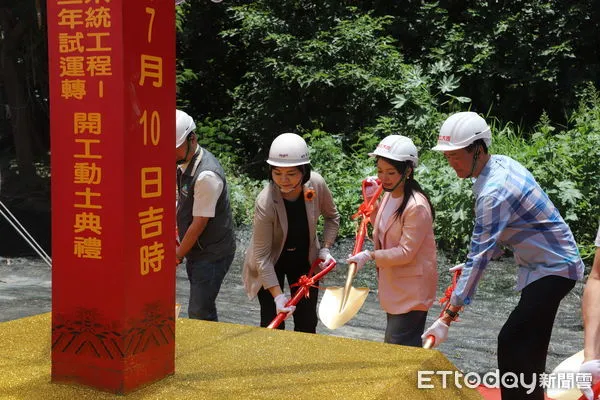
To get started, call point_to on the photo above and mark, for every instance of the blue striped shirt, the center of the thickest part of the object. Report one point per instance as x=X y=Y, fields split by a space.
x=511 y=210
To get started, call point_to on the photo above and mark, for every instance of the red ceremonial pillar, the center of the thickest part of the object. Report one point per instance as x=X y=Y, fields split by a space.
x=112 y=103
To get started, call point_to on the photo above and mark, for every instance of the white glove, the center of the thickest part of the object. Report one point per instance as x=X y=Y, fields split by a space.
x=370 y=186
x=590 y=367
x=360 y=259
x=588 y=392
x=280 y=301
x=458 y=267
x=326 y=256
x=439 y=330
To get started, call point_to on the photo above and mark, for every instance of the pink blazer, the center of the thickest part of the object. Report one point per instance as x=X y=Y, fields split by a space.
x=406 y=259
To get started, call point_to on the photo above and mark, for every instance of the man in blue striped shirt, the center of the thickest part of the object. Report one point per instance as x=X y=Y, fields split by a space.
x=510 y=210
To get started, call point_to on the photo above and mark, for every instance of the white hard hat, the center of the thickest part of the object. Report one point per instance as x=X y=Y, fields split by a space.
x=461 y=129
x=184 y=124
x=399 y=148
x=288 y=150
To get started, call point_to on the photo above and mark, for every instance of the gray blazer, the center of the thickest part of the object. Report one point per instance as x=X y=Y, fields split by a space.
x=270 y=227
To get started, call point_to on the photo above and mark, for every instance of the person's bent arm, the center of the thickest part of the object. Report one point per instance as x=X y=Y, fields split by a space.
x=191 y=235
x=490 y=220
x=207 y=189
x=263 y=231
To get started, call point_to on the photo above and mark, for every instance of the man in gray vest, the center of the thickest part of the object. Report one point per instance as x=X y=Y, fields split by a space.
x=204 y=220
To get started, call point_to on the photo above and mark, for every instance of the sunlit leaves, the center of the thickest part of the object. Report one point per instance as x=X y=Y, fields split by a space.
x=448 y=84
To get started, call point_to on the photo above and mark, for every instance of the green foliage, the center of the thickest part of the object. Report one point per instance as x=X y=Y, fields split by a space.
x=452 y=200
x=364 y=70
x=347 y=76
x=343 y=173
x=566 y=164
x=207 y=68
x=243 y=191
x=184 y=76
x=521 y=57
x=215 y=135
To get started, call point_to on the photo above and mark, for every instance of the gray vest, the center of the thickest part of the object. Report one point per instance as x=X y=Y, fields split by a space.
x=218 y=239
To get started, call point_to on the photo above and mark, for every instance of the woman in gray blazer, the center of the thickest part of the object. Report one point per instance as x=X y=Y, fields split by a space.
x=284 y=236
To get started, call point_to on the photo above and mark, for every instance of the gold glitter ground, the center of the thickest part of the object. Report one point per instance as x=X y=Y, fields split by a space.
x=228 y=361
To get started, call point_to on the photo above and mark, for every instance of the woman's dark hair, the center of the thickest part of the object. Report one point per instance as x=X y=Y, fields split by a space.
x=305 y=169
x=410 y=184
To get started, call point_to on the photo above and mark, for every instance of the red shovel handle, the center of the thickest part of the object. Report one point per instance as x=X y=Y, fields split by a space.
x=429 y=342
x=364 y=211
x=445 y=301
x=300 y=293
x=366 y=207
x=305 y=283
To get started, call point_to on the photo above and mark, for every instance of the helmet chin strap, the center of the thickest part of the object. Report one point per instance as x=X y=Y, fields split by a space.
x=396 y=185
x=187 y=152
x=475 y=158
x=286 y=191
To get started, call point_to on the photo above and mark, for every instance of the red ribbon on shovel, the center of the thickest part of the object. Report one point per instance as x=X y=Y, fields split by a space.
x=304 y=283
x=445 y=302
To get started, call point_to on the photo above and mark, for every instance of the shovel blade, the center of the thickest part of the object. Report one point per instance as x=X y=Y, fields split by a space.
x=569 y=365
x=332 y=314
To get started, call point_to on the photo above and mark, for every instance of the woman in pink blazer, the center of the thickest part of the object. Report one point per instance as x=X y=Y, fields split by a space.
x=405 y=252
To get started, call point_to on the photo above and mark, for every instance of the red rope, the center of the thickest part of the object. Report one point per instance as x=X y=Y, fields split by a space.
x=445 y=301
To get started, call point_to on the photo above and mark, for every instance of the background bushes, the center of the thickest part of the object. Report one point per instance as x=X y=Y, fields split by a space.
x=346 y=73
x=564 y=161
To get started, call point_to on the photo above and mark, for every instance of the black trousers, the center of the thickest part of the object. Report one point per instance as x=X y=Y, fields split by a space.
x=406 y=329
x=523 y=340
x=291 y=266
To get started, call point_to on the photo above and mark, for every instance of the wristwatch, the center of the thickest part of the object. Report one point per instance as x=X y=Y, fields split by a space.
x=453 y=314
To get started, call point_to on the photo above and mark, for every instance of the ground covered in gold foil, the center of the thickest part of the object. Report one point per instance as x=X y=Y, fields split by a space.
x=228 y=361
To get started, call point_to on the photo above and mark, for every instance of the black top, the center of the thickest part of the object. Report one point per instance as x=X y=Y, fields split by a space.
x=297 y=236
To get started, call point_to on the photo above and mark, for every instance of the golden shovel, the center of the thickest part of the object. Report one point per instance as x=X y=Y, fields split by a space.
x=338 y=304
x=565 y=391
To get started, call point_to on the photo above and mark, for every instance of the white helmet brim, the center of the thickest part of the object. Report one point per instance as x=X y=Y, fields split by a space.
x=276 y=163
